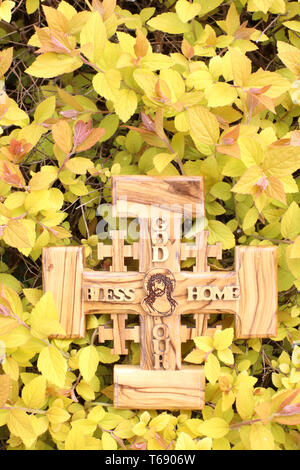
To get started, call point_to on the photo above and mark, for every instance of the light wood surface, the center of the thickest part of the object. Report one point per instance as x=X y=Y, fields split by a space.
x=159 y=389
x=62 y=276
x=257 y=274
x=160 y=292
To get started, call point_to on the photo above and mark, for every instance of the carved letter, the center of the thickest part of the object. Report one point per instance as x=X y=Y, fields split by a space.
x=164 y=253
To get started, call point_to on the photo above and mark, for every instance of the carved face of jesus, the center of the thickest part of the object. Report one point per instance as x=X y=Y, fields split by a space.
x=158 y=288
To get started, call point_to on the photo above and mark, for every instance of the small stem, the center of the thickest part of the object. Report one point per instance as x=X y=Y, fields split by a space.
x=115 y=437
x=273 y=240
x=28 y=410
x=69 y=155
x=87 y=62
x=244 y=423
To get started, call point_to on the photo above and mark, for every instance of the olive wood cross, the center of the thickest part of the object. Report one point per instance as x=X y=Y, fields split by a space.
x=160 y=292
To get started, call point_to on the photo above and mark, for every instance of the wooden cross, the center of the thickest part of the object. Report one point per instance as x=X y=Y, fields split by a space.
x=160 y=292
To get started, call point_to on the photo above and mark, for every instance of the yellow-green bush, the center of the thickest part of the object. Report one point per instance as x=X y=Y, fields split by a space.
x=96 y=88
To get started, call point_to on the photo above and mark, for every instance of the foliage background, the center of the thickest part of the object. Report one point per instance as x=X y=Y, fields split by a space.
x=91 y=89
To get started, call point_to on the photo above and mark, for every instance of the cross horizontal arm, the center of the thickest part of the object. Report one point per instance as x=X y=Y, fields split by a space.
x=116 y=293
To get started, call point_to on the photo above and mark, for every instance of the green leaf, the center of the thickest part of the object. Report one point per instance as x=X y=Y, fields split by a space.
x=218 y=232
x=106 y=356
x=290 y=222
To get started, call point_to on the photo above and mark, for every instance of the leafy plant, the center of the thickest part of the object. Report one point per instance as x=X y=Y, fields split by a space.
x=188 y=87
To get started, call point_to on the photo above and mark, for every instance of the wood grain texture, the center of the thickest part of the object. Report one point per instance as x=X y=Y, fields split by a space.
x=62 y=276
x=159 y=389
x=174 y=193
x=257 y=274
x=135 y=280
x=119 y=334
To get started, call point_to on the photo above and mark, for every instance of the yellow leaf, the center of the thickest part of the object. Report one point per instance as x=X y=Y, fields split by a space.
x=21 y=425
x=232 y=20
x=245 y=401
x=93 y=37
x=241 y=66
x=45 y=109
x=250 y=218
x=204 y=444
x=56 y=19
x=215 y=428
x=88 y=362
x=15 y=235
x=106 y=356
x=212 y=369
x=86 y=426
x=278 y=163
x=11 y=368
x=161 y=160
x=32 y=6
x=209 y=5
x=218 y=232
x=186 y=11
x=16 y=338
x=175 y=83
x=96 y=414
x=85 y=390
x=199 y=79
x=108 y=442
x=195 y=357
x=62 y=135
x=34 y=393
x=223 y=338
x=290 y=56
x=169 y=23
x=261 y=78
x=107 y=84
x=75 y=440
x=290 y=222
x=205 y=343
x=125 y=104
x=204 y=126
x=4 y=389
x=79 y=165
x=246 y=183
x=184 y=442
x=6 y=57
x=139 y=429
x=226 y=356
x=50 y=65
x=57 y=415
x=295 y=249
x=5 y=10
x=261 y=438
x=220 y=94
x=44 y=319
x=53 y=366
x=43 y=178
